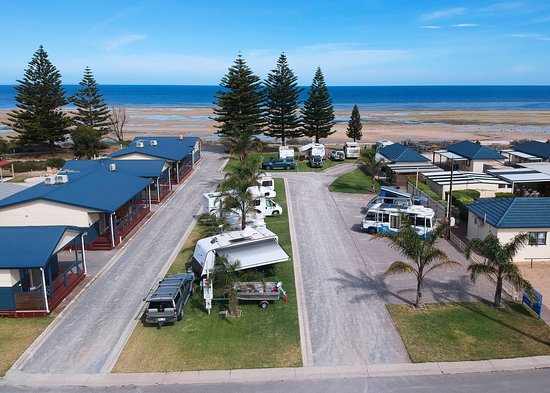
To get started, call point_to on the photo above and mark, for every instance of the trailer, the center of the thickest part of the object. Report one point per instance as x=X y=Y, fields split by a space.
x=352 y=150
x=286 y=152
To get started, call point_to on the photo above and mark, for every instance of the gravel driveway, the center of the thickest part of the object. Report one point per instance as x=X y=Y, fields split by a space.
x=89 y=335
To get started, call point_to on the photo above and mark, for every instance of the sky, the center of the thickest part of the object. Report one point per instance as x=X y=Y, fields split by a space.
x=357 y=43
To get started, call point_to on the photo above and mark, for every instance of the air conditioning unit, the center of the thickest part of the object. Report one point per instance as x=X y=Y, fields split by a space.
x=180 y=138
x=139 y=144
x=61 y=179
x=153 y=142
x=49 y=180
x=112 y=167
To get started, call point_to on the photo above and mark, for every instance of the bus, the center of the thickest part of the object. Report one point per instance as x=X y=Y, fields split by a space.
x=384 y=217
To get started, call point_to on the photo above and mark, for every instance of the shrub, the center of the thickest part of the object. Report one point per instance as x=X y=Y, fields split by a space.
x=27 y=166
x=55 y=162
x=504 y=195
x=461 y=198
x=427 y=190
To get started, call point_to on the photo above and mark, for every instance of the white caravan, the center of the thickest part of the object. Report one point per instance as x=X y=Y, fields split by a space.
x=286 y=151
x=251 y=247
x=211 y=204
x=313 y=149
x=352 y=149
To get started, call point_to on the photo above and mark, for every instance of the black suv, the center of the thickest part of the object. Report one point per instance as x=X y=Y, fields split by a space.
x=279 y=163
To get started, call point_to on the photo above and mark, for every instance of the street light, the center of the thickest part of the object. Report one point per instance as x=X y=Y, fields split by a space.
x=450 y=204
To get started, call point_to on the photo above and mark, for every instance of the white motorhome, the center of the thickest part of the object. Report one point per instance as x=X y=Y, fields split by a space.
x=352 y=149
x=262 y=192
x=286 y=151
x=211 y=204
x=266 y=181
x=313 y=149
x=251 y=247
x=382 y=217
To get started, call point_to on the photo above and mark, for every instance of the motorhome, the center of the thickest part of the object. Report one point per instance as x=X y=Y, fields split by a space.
x=286 y=152
x=251 y=247
x=211 y=204
x=266 y=180
x=352 y=150
x=313 y=149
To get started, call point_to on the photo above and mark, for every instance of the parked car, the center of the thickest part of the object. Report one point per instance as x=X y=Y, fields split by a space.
x=315 y=161
x=337 y=155
x=167 y=299
x=279 y=163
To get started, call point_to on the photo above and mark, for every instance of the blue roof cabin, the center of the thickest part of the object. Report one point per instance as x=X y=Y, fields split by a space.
x=469 y=157
x=404 y=164
x=33 y=279
x=528 y=152
x=181 y=153
x=155 y=170
x=107 y=204
x=506 y=217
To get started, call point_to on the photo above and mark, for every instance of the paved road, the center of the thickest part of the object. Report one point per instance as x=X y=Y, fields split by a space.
x=532 y=381
x=88 y=336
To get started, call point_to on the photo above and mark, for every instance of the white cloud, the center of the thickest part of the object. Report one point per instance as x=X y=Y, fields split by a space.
x=430 y=27
x=465 y=25
x=506 y=6
x=531 y=36
x=117 y=42
x=443 y=13
x=523 y=69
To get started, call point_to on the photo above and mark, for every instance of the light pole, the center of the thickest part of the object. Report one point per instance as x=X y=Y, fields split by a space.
x=449 y=206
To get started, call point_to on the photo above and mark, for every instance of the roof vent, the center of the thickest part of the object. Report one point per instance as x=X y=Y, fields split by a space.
x=153 y=142
x=49 y=180
x=112 y=167
x=180 y=138
x=139 y=144
x=61 y=179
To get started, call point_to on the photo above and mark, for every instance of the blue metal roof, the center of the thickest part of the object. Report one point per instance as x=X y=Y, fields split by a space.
x=513 y=212
x=97 y=190
x=141 y=168
x=168 y=147
x=534 y=148
x=397 y=152
x=30 y=247
x=474 y=151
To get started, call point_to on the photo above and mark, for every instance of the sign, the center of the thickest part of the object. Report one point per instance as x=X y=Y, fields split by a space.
x=208 y=304
x=207 y=293
x=536 y=303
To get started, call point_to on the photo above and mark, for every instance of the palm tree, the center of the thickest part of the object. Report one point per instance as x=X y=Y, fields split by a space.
x=421 y=251
x=227 y=274
x=372 y=164
x=498 y=262
x=248 y=170
x=240 y=146
x=211 y=225
x=236 y=197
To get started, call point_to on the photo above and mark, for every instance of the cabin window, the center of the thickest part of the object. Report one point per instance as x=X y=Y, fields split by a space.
x=371 y=216
x=537 y=238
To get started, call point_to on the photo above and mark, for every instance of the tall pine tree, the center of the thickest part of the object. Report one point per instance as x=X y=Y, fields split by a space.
x=354 y=125
x=91 y=110
x=239 y=109
x=39 y=119
x=282 y=95
x=318 y=112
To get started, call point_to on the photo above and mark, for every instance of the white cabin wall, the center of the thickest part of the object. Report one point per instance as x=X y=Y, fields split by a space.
x=44 y=213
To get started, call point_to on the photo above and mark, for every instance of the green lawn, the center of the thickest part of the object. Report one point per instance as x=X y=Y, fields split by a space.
x=16 y=334
x=470 y=331
x=358 y=181
x=302 y=164
x=260 y=338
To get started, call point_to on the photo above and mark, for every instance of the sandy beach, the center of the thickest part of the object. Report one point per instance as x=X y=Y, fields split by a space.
x=433 y=125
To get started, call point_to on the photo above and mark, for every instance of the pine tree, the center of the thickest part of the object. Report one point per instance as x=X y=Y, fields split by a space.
x=354 y=125
x=318 y=112
x=39 y=119
x=91 y=109
x=239 y=107
x=282 y=102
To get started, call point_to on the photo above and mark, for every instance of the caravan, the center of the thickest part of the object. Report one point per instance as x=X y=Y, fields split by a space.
x=352 y=149
x=263 y=205
x=313 y=149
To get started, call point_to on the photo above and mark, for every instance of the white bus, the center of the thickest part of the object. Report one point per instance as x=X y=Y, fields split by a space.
x=383 y=217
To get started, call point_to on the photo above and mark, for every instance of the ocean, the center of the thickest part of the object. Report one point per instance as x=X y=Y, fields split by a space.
x=344 y=97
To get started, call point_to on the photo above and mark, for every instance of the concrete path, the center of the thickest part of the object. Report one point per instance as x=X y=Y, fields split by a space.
x=88 y=336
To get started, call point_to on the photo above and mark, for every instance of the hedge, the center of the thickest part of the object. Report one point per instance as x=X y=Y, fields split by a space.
x=461 y=198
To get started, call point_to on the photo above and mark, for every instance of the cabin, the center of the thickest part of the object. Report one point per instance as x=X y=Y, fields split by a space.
x=33 y=278
x=108 y=205
x=468 y=157
x=527 y=179
x=487 y=184
x=154 y=170
x=507 y=217
x=180 y=153
x=528 y=152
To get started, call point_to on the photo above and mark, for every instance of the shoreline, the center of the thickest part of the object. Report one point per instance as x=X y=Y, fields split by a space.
x=396 y=125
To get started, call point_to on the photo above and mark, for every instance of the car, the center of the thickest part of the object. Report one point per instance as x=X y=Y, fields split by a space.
x=166 y=301
x=315 y=161
x=279 y=163
x=337 y=155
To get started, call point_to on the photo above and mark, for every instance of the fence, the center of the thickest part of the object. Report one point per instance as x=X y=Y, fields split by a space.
x=439 y=209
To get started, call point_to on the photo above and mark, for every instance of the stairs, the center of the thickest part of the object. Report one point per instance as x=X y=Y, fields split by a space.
x=102 y=243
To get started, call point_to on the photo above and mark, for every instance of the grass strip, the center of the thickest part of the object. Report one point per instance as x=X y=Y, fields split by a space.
x=358 y=181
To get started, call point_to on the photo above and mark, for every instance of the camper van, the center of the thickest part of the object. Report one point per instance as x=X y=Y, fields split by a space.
x=266 y=180
x=352 y=150
x=286 y=152
x=388 y=218
x=313 y=149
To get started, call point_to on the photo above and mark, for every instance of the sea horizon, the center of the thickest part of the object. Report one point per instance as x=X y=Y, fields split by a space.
x=398 y=97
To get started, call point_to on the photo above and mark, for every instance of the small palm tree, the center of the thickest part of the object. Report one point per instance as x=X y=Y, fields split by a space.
x=240 y=146
x=236 y=197
x=248 y=172
x=372 y=164
x=211 y=225
x=226 y=275
x=498 y=262
x=422 y=252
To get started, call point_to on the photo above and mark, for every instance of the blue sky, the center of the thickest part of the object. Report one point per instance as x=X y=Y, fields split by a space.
x=369 y=42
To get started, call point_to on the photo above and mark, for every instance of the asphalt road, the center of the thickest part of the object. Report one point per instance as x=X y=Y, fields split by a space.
x=532 y=381
x=90 y=334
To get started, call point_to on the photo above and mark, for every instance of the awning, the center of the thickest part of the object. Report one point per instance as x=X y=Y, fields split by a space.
x=256 y=254
x=2 y=163
x=450 y=156
x=521 y=155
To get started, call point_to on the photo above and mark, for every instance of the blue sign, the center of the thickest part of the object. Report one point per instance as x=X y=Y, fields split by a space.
x=535 y=303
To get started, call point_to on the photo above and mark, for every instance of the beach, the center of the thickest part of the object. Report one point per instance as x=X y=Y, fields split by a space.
x=398 y=125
